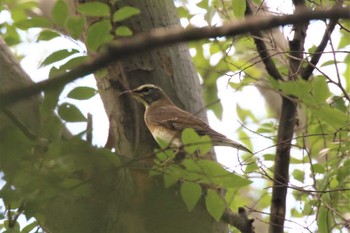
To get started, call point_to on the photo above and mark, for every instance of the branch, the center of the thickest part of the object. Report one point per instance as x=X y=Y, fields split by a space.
x=286 y=128
x=262 y=49
x=319 y=50
x=144 y=42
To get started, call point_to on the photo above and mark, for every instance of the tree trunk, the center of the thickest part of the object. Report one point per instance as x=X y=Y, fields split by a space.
x=126 y=199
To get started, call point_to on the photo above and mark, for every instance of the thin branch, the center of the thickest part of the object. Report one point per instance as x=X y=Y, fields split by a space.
x=320 y=48
x=144 y=42
x=263 y=50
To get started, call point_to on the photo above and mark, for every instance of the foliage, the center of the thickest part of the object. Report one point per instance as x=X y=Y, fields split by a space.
x=320 y=164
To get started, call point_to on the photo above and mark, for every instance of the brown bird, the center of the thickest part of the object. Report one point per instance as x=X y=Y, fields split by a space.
x=166 y=121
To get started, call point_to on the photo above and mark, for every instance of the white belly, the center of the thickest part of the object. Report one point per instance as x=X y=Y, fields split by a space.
x=166 y=136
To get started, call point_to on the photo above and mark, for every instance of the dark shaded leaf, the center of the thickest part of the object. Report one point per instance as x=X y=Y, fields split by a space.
x=82 y=93
x=70 y=113
x=58 y=56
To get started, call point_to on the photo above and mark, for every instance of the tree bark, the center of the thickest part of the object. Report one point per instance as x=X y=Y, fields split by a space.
x=127 y=199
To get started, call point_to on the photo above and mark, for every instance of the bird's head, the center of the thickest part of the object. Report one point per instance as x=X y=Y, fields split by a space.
x=148 y=94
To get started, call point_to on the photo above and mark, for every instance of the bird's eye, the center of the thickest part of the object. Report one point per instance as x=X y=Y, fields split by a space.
x=146 y=90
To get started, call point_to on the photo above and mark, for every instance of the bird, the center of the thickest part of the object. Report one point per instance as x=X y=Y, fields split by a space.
x=166 y=121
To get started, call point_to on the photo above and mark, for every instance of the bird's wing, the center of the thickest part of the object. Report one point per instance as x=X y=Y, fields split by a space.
x=176 y=119
x=173 y=118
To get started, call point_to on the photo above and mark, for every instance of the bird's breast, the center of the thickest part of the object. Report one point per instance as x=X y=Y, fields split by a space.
x=162 y=134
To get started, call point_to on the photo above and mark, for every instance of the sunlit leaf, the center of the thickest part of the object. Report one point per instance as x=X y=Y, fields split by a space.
x=190 y=193
x=11 y=36
x=320 y=89
x=170 y=180
x=251 y=167
x=75 y=26
x=99 y=33
x=238 y=7
x=190 y=139
x=125 y=13
x=323 y=220
x=60 y=12
x=94 y=9
x=318 y=168
x=332 y=116
x=215 y=204
x=298 y=175
x=123 y=31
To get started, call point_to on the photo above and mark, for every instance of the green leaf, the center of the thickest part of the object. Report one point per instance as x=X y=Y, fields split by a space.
x=269 y=157
x=82 y=93
x=215 y=204
x=125 y=13
x=98 y=34
x=238 y=7
x=30 y=227
x=60 y=12
x=47 y=35
x=190 y=193
x=299 y=175
x=75 y=61
x=94 y=9
x=322 y=220
x=338 y=103
x=58 y=56
x=75 y=26
x=251 y=167
x=11 y=36
x=318 y=168
x=334 y=117
x=320 y=89
x=204 y=145
x=214 y=173
x=190 y=139
x=162 y=156
x=35 y=22
x=298 y=88
x=51 y=96
x=123 y=31
x=70 y=113
x=344 y=40
x=170 y=180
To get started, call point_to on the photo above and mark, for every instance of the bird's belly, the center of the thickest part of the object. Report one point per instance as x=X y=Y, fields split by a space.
x=169 y=137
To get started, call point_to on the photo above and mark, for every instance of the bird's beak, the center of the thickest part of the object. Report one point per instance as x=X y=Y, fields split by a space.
x=135 y=95
x=129 y=92
x=125 y=92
